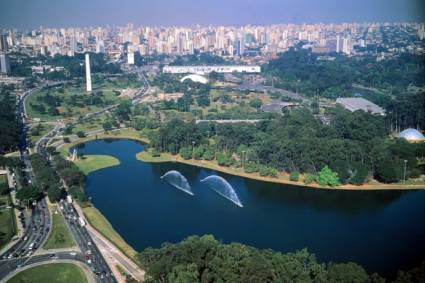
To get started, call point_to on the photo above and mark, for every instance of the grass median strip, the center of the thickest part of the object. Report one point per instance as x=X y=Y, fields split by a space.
x=60 y=236
x=101 y=224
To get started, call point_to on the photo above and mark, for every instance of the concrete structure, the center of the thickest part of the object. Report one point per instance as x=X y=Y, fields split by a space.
x=277 y=107
x=4 y=63
x=195 y=78
x=3 y=42
x=412 y=135
x=208 y=69
x=358 y=103
x=88 y=73
x=130 y=58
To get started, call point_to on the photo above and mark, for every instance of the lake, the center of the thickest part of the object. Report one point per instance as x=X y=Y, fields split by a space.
x=382 y=230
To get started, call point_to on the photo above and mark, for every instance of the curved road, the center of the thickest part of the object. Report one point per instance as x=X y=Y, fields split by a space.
x=39 y=224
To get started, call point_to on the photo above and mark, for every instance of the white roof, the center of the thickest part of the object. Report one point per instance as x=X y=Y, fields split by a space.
x=359 y=103
x=195 y=78
x=411 y=135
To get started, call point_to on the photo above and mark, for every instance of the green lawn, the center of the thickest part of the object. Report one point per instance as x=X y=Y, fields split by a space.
x=51 y=273
x=3 y=182
x=73 y=103
x=7 y=223
x=147 y=157
x=60 y=236
x=90 y=163
x=101 y=224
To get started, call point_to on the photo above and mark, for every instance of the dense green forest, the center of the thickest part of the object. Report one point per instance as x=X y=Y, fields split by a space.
x=204 y=259
x=354 y=145
x=397 y=83
x=9 y=125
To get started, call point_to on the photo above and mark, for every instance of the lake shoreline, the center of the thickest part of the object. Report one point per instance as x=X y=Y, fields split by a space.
x=166 y=157
x=281 y=179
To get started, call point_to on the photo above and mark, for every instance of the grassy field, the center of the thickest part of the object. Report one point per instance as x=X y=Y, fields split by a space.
x=147 y=157
x=3 y=181
x=7 y=222
x=90 y=163
x=60 y=236
x=52 y=273
x=101 y=224
x=72 y=99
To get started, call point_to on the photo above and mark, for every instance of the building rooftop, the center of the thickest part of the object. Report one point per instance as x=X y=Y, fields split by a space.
x=277 y=106
x=358 y=103
x=411 y=135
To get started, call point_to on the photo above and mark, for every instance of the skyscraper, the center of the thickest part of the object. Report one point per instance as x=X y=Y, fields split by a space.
x=88 y=73
x=4 y=63
x=3 y=42
x=346 y=45
x=240 y=46
x=337 y=49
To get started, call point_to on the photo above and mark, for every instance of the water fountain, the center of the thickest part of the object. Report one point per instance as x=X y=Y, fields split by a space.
x=176 y=179
x=222 y=187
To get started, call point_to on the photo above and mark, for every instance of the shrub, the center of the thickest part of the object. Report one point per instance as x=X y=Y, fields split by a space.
x=264 y=171
x=186 y=152
x=327 y=177
x=250 y=167
x=209 y=154
x=309 y=178
x=294 y=176
x=155 y=153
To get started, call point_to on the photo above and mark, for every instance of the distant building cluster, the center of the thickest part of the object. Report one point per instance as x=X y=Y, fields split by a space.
x=233 y=41
x=209 y=69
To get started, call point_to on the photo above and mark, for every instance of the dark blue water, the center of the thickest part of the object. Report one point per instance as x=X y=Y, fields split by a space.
x=382 y=230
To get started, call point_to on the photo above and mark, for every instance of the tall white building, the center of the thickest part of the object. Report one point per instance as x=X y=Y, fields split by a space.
x=130 y=58
x=346 y=45
x=4 y=63
x=88 y=73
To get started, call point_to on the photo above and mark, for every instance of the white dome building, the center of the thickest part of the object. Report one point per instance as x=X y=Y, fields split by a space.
x=411 y=135
x=195 y=78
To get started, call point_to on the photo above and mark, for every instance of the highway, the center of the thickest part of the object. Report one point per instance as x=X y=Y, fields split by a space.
x=38 y=224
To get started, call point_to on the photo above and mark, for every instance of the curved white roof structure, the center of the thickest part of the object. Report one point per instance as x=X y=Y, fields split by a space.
x=195 y=78
x=412 y=135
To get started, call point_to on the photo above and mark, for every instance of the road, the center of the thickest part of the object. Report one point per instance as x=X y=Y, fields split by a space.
x=38 y=224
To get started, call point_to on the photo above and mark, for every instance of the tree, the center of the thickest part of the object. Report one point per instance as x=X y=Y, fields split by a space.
x=28 y=193
x=327 y=177
x=184 y=274
x=209 y=153
x=186 y=152
x=107 y=126
x=124 y=110
x=54 y=193
x=81 y=134
x=294 y=176
x=204 y=259
x=198 y=152
x=256 y=103
x=309 y=178
x=347 y=273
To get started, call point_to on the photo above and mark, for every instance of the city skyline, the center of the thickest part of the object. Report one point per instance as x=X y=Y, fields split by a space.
x=47 y=13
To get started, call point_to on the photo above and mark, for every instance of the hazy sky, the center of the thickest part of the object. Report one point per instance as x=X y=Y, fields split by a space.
x=63 y=13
